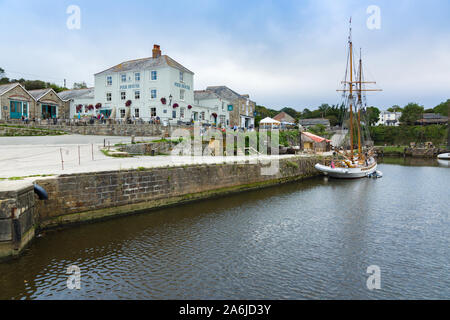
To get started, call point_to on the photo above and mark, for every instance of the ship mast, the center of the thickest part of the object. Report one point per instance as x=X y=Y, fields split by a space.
x=359 y=108
x=350 y=97
x=358 y=83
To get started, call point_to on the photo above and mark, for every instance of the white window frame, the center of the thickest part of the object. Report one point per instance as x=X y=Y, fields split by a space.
x=151 y=75
x=137 y=94
x=122 y=77
x=123 y=95
x=137 y=76
x=136 y=113
x=110 y=96
x=109 y=81
x=182 y=94
x=122 y=113
x=151 y=94
x=152 y=112
x=182 y=112
x=181 y=76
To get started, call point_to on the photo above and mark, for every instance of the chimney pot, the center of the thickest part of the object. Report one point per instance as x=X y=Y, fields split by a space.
x=156 y=52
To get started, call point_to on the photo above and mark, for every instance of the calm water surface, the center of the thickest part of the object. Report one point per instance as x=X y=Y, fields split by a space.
x=308 y=240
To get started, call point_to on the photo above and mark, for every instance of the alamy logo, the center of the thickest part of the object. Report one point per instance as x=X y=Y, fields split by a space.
x=74 y=280
x=74 y=20
x=374 y=20
x=249 y=146
x=374 y=280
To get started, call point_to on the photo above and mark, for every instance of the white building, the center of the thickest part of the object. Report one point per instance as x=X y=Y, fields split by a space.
x=155 y=87
x=80 y=101
x=389 y=118
x=214 y=109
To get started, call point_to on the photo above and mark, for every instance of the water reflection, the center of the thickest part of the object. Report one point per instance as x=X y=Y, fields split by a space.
x=306 y=240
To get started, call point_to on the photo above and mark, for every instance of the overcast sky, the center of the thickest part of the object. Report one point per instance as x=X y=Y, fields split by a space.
x=282 y=53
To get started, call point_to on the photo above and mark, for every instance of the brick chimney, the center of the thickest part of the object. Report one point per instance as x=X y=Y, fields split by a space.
x=156 y=51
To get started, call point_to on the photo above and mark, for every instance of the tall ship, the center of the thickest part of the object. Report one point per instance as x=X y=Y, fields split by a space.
x=353 y=155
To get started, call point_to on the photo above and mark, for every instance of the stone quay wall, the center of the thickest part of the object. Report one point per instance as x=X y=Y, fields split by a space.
x=17 y=218
x=79 y=198
x=114 y=129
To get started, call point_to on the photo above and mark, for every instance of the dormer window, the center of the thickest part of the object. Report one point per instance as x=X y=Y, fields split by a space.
x=137 y=77
x=123 y=77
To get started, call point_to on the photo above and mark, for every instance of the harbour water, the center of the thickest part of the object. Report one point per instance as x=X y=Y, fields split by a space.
x=308 y=240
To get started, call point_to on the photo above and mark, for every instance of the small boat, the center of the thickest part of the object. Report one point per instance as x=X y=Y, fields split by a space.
x=444 y=156
x=347 y=162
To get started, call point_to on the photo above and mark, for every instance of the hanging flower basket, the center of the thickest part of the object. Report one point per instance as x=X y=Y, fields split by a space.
x=163 y=100
x=175 y=105
x=128 y=103
x=98 y=105
x=79 y=108
x=86 y=108
x=214 y=115
x=91 y=107
x=189 y=107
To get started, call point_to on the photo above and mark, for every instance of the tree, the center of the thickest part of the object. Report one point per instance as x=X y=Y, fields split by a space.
x=442 y=108
x=411 y=113
x=80 y=85
x=324 y=108
x=372 y=115
x=318 y=129
x=395 y=108
x=2 y=72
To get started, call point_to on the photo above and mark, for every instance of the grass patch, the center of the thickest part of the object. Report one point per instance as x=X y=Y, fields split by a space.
x=292 y=164
x=109 y=154
x=24 y=177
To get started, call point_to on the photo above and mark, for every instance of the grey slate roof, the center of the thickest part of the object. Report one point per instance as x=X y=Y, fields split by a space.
x=146 y=63
x=312 y=122
x=87 y=93
x=205 y=94
x=224 y=92
x=6 y=87
x=433 y=116
x=39 y=92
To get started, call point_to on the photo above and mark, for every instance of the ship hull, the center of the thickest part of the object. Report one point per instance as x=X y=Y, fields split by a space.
x=347 y=173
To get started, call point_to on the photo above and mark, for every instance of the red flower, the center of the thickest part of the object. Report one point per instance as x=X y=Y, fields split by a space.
x=98 y=105
x=175 y=105
x=128 y=103
x=163 y=100
x=189 y=107
x=214 y=115
x=91 y=107
x=79 y=107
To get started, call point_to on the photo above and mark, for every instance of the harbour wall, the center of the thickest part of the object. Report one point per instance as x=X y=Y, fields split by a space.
x=114 y=129
x=79 y=198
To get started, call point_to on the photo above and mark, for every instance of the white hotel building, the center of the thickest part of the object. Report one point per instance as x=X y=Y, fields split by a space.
x=156 y=87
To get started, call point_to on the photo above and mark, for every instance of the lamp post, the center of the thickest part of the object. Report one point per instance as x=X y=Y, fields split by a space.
x=170 y=100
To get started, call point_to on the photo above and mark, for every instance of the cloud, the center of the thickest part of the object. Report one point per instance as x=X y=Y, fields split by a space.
x=286 y=53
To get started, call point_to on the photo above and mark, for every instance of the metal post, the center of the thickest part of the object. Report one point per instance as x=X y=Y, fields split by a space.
x=62 y=160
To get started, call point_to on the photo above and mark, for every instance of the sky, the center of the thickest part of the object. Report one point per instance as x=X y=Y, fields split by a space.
x=281 y=53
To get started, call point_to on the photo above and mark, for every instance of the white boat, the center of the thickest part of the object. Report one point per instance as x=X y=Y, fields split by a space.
x=444 y=156
x=347 y=162
x=348 y=172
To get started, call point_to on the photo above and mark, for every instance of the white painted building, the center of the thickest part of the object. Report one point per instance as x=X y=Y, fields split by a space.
x=389 y=118
x=155 y=87
x=79 y=102
x=213 y=108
